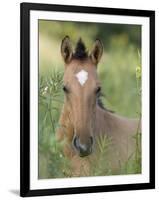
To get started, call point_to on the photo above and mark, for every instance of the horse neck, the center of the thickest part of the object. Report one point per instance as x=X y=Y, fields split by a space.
x=113 y=124
x=102 y=122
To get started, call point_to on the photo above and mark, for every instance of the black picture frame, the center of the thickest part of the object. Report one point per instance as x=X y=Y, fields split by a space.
x=25 y=9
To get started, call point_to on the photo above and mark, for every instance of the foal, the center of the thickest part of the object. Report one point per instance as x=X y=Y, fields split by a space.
x=83 y=119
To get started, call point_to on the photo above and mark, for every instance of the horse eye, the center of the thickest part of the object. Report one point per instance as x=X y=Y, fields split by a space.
x=98 y=90
x=65 y=89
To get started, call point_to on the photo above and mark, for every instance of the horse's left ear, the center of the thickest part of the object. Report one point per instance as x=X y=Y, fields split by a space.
x=96 y=52
x=66 y=49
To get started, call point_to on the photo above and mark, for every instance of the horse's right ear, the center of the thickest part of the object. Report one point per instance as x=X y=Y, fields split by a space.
x=66 y=49
x=97 y=51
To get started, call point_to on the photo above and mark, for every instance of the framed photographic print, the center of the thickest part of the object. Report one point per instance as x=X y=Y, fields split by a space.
x=87 y=99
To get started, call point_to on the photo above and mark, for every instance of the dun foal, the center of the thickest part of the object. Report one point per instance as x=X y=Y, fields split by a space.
x=83 y=118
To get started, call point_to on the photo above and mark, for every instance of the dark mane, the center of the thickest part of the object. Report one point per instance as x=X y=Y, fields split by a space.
x=100 y=103
x=80 y=50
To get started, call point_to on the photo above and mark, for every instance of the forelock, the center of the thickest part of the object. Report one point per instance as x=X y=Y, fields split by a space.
x=80 y=50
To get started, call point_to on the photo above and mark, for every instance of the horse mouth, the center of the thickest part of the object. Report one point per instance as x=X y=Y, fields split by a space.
x=85 y=154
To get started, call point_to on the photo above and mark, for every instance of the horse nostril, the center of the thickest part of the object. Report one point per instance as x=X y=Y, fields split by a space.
x=75 y=142
x=91 y=138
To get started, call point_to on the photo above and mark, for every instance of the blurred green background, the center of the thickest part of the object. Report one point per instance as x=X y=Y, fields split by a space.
x=117 y=72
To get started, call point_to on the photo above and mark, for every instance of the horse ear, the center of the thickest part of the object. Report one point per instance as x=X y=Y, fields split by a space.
x=66 y=49
x=96 y=52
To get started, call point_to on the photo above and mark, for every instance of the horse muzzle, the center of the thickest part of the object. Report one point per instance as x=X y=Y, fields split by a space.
x=83 y=149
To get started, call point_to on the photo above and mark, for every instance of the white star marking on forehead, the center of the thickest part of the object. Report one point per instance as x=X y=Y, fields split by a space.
x=82 y=77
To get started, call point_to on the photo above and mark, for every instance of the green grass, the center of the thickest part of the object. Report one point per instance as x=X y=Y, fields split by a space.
x=120 y=75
